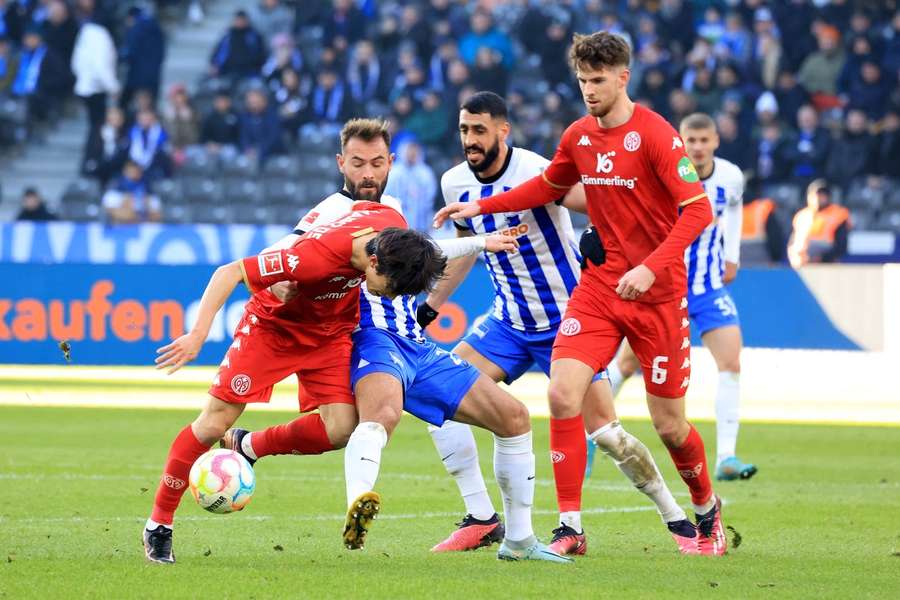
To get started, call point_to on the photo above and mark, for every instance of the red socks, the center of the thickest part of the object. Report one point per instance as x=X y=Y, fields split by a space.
x=304 y=435
x=174 y=482
x=568 y=452
x=690 y=460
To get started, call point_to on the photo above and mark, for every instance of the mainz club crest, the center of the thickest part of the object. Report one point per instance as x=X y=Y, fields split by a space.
x=240 y=384
x=632 y=141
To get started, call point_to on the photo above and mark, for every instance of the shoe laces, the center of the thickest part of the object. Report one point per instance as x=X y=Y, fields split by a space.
x=563 y=531
x=706 y=523
x=470 y=520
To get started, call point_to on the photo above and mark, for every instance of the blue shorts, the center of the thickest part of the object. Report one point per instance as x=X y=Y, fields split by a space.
x=434 y=380
x=512 y=350
x=712 y=310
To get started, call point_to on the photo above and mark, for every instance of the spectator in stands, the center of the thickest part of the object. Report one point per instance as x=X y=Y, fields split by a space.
x=107 y=147
x=446 y=54
x=60 y=30
x=148 y=143
x=871 y=91
x=180 y=121
x=457 y=78
x=328 y=105
x=819 y=72
x=889 y=145
x=489 y=73
x=94 y=65
x=766 y=59
x=143 y=52
x=789 y=94
x=413 y=29
x=260 y=128
x=285 y=55
x=414 y=184
x=130 y=199
x=13 y=19
x=770 y=164
x=731 y=146
x=33 y=207
x=808 y=149
x=711 y=28
x=291 y=101
x=735 y=43
x=430 y=122
x=241 y=52
x=766 y=108
x=853 y=154
x=821 y=229
x=9 y=65
x=681 y=104
x=345 y=25
x=483 y=33
x=220 y=127
x=41 y=77
x=364 y=74
x=272 y=18
x=552 y=48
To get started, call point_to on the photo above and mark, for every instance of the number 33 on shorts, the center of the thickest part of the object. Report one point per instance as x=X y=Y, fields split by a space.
x=726 y=306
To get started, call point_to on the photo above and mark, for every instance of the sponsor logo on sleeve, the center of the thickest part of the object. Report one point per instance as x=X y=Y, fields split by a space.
x=584 y=141
x=270 y=263
x=686 y=170
x=677 y=143
x=293 y=260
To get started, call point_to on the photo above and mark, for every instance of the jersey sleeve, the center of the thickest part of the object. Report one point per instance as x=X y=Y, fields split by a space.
x=305 y=263
x=734 y=219
x=324 y=212
x=562 y=172
x=671 y=164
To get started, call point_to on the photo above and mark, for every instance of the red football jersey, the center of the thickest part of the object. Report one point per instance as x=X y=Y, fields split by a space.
x=635 y=177
x=319 y=261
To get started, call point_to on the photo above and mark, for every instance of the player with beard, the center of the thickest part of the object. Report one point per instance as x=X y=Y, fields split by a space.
x=531 y=291
x=393 y=368
x=646 y=200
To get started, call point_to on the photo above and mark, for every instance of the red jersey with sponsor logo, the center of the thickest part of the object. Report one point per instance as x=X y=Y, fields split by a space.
x=635 y=177
x=319 y=261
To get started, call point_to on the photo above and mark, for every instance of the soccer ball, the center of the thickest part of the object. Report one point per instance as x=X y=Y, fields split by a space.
x=222 y=481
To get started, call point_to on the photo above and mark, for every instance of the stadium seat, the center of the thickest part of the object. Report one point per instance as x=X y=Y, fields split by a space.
x=82 y=189
x=315 y=165
x=251 y=213
x=176 y=212
x=81 y=209
x=862 y=218
x=280 y=191
x=888 y=221
x=286 y=214
x=15 y=111
x=789 y=196
x=168 y=190
x=893 y=198
x=861 y=196
x=211 y=213
x=281 y=167
x=201 y=190
x=237 y=166
x=243 y=192
x=198 y=162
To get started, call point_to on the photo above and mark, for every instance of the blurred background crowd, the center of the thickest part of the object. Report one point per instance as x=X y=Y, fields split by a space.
x=804 y=92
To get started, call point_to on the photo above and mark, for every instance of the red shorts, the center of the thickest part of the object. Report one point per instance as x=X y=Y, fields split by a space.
x=659 y=334
x=261 y=356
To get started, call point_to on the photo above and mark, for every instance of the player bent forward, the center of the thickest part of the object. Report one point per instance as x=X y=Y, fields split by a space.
x=309 y=337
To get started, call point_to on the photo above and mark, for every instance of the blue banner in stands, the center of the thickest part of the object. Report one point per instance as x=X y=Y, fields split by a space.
x=120 y=314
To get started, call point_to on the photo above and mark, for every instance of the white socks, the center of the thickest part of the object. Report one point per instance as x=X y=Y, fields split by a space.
x=456 y=446
x=571 y=519
x=362 y=458
x=151 y=525
x=247 y=446
x=514 y=469
x=728 y=400
x=615 y=377
x=635 y=461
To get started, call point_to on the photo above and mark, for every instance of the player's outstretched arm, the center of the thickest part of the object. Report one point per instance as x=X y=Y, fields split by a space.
x=181 y=351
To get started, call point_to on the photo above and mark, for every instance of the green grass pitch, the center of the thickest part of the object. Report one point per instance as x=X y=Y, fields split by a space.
x=822 y=519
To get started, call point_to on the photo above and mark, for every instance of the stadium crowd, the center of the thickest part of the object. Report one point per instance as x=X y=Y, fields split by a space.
x=800 y=90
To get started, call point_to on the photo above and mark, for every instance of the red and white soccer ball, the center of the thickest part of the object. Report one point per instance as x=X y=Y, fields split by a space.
x=222 y=481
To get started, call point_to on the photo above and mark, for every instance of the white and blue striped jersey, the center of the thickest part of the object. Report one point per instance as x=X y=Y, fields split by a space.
x=532 y=286
x=398 y=315
x=721 y=240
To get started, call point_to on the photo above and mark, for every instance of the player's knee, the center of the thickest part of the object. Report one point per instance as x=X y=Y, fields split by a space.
x=731 y=364
x=519 y=420
x=339 y=427
x=388 y=416
x=209 y=428
x=563 y=399
x=672 y=432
